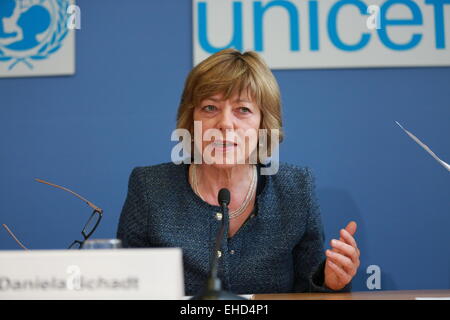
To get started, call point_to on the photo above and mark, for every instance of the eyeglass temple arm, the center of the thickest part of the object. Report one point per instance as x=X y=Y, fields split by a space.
x=90 y=204
x=14 y=237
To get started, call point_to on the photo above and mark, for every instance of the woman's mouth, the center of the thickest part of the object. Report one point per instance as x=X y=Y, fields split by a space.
x=224 y=146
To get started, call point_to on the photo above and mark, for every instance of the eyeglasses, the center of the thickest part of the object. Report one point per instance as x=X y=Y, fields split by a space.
x=88 y=229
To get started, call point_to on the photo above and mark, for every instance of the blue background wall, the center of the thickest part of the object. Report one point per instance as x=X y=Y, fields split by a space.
x=88 y=131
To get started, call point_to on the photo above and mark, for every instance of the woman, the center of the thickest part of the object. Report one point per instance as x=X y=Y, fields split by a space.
x=274 y=234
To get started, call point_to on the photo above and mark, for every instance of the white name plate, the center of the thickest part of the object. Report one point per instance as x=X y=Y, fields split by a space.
x=92 y=274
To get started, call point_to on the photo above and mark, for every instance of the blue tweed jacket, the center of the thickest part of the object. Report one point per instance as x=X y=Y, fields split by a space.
x=279 y=249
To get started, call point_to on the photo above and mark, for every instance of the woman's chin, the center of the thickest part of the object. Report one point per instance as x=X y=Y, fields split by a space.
x=225 y=163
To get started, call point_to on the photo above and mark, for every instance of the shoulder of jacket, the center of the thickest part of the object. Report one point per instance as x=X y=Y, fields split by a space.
x=291 y=173
x=160 y=173
x=295 y=184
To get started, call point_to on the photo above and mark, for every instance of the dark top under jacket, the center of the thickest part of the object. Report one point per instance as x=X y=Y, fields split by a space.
x=279 y=249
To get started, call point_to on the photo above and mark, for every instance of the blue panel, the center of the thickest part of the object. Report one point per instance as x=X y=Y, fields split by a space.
x=88 y=131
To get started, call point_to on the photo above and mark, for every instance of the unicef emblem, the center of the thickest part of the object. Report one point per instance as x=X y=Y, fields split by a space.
x=31 y=30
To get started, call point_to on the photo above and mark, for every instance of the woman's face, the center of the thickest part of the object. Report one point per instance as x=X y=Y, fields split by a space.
x=225 y=124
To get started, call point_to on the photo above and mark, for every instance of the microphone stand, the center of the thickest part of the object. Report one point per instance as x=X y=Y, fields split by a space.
x=213 y=288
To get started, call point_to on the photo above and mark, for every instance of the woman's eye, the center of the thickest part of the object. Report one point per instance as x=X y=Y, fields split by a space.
x=244 y=110
x=209 y=108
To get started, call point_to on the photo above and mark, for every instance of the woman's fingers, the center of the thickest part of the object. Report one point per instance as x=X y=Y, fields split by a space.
x=349 y=239
x=340 y=273
x=346 y=250
x=350 y=253
x=341 y=260
x=351 y=227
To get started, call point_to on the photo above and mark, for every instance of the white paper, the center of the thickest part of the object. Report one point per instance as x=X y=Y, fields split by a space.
x=427 y=149
x=245 y=296
x=152 y=273
x=432 y=298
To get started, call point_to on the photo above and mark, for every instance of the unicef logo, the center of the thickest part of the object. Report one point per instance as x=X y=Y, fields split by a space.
x=31 y=30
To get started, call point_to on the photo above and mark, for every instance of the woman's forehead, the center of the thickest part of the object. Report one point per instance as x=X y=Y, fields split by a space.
x=235 y=97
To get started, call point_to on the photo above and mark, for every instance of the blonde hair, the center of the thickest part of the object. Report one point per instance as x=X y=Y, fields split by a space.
x=226 y=72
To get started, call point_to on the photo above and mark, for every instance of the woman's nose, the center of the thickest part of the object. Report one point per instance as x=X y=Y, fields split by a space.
x=225 y=120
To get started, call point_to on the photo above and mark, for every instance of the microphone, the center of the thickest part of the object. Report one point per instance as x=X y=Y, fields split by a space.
x=213 y=288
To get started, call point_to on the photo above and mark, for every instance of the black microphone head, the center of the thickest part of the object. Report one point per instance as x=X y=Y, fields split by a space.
x=224 y=196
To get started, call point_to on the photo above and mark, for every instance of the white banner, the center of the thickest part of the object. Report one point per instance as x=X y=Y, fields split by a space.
x=37 y=37
x=92 y=274
x=298 y=34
